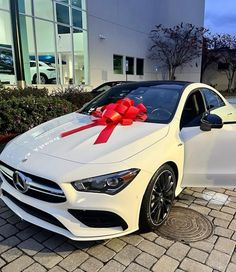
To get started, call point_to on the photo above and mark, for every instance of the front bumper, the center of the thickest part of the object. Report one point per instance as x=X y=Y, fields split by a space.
x=57 y=218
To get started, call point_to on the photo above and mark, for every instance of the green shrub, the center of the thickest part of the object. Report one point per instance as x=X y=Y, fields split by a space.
x=8 y=93
x=20 y=114
x=22 y=109
x=76 y=95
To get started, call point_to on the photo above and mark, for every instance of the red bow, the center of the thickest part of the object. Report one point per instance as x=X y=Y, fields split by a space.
x=122 y=112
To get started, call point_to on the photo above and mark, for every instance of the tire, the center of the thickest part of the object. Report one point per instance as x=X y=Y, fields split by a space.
x=158 y=199
x=43 y=78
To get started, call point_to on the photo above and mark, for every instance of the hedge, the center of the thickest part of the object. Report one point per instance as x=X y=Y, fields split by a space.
x=20 y=114
x=22 y=109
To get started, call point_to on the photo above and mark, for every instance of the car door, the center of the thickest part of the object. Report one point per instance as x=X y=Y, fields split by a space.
x=209 y=156
x=215 y=104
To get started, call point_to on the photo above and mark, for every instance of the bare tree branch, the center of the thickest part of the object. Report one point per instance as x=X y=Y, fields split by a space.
x=176 y=46
x=221 y=48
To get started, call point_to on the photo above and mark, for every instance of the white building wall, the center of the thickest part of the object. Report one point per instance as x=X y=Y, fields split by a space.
x=125 y=26
x=172 y=12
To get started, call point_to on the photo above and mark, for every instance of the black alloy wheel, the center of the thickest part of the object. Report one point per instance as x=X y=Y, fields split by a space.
x=158 y=199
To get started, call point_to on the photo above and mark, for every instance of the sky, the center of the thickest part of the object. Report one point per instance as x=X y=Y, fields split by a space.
x=220 y=16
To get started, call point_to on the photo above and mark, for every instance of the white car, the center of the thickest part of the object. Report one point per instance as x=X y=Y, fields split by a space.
x=88 y=191
x=47 y=72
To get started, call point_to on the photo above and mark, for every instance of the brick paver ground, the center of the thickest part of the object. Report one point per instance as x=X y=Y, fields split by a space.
x=24 y=247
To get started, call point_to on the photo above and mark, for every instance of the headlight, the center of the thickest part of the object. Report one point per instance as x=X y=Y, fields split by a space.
x=108 y=184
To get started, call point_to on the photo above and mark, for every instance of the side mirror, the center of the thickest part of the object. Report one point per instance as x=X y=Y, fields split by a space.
x=210 y=121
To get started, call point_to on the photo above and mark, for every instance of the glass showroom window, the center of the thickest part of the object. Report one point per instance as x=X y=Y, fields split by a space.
x=77 y=18
x=80 y=67
x=129 y=66
x=63 y=1
x=62 y=12
x=4 y=4
x=45 y=52
x=76 y=3
x=25 y=7
x=140 y=67
x=43 y=9
x=54 y=41
x=118 y=64
x=65 y=56
x=7 y=73
x=28 y=46
x=71 y=42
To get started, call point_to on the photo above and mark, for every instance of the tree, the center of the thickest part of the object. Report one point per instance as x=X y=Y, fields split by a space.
x=176 y=46
x=209 y=53
x=226 y=45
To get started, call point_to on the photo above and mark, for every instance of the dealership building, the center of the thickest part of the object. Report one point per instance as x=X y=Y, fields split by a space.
x=87 y=41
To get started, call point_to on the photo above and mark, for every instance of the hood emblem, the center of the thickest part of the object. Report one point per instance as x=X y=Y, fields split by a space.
x=20 y=182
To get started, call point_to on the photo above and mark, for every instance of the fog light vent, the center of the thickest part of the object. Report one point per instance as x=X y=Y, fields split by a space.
x=99 y=219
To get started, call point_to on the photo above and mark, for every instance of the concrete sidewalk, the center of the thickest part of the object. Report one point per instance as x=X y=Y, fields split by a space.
x=24 y=247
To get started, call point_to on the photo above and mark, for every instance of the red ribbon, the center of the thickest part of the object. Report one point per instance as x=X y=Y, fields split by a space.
x=122 y=112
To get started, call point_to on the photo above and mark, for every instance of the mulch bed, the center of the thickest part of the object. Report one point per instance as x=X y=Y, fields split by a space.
x=4 y=138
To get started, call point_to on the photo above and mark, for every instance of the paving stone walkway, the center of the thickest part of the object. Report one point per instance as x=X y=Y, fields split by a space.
x=25 y=247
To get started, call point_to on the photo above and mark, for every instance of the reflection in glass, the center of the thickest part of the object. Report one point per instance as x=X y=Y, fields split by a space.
x=63 y=1
x=63 y=29
x=6 y=55
x=129 y=66
x=43 y=9
x=43 y=62
x=24 y=6
x=46 y=52
x=62 y=14
x=118 y=64
x=28 y=48
x=4 y=4
x=76 y=3
x=79 y=65
x=65 y=58
x=77 y=18
x=139 y=67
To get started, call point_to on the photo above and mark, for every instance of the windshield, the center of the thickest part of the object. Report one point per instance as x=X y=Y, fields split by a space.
x=160 y=100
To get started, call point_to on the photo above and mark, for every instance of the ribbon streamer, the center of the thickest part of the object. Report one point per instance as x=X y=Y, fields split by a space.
x=122 y=112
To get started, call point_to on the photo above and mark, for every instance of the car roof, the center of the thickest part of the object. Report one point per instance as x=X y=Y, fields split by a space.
x=137 y=84
x=38 y=61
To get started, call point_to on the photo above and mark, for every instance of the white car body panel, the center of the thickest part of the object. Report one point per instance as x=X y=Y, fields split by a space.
x=209 y=158
x=43 y=69
x=46 y=139
x=146 y=146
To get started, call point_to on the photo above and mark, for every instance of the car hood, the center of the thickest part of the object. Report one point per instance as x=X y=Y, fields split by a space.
x=125 y=141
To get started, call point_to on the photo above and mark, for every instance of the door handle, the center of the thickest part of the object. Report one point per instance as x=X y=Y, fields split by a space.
x=230 y=113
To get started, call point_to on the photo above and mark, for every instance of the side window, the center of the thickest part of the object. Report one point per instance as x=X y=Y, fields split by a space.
x=213 y=101
x=103 y=88
x=193 y=110
x=32 y=64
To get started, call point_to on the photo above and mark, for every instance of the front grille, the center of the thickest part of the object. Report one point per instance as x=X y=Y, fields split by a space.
x=34 y=211
x=39 y=188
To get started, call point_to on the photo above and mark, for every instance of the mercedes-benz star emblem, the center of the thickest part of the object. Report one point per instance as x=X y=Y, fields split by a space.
x=20 y=182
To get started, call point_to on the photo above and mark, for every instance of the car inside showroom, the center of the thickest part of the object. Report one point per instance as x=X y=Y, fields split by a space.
x=53 y=39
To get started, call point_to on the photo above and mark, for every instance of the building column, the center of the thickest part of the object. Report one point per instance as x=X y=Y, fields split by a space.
x=15 y=22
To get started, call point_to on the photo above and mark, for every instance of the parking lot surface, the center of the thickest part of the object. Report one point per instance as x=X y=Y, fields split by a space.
x=25 y=247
